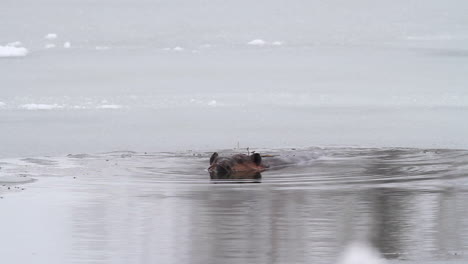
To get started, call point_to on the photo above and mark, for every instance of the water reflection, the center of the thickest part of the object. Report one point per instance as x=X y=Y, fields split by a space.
x=236 y=177
x=141 y=219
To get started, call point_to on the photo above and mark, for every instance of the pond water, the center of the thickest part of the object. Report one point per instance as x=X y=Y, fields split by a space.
x=398 y=205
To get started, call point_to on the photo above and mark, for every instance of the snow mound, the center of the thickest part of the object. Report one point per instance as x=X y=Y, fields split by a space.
x=12 y=51
x=257 y=42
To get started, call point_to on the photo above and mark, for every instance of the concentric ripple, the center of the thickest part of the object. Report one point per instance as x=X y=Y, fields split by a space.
x=289 y=168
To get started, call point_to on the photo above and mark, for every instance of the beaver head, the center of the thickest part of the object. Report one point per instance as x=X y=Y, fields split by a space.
x=238 y=163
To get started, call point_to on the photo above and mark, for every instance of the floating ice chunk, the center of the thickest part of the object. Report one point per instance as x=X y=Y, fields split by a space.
x=2 y=104
x=257 y=42
x=277 y=43
x=15 y=44
x=102 y=48
x=10 y=51
x=40 y=106
x=212 y=103
x=67 y=45
x=49 y=46
x=51 y=36
x=109 y=106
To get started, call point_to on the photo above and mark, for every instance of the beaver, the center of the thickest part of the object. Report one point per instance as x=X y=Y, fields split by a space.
x=239 y=165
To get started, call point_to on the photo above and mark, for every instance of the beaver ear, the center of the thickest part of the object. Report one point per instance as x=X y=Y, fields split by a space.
x=256 y=158
x=213 y=157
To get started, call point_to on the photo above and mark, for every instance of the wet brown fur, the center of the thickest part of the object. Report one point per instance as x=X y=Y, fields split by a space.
x=236 y=163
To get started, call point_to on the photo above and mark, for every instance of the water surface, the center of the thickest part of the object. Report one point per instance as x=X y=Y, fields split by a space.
x=132 y=207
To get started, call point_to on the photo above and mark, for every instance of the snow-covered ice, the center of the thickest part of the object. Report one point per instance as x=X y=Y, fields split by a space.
x=67 y=45
x=40 y=106
x=257 y=42
x=11 y=51
x=261 y=42
x=110 y=106
x=49 y=46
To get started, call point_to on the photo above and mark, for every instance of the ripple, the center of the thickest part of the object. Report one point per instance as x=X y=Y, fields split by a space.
x=309 y=168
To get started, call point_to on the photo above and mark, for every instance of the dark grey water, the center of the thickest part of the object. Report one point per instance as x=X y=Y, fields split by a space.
x=128 y=207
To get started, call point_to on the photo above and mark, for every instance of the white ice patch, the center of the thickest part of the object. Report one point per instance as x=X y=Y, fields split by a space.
x=257 y=42
x=12 y=51
x=213 y=103
x=178 y=48
x=357 y=253
x=49 y=46
x=40 y=106
x=51 y=36
x=67 y=45
x=277 y=43
x=102 y=48
x=261 y=42
x=110 y=106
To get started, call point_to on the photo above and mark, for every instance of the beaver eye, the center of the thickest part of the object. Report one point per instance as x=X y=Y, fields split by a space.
x=256 y=158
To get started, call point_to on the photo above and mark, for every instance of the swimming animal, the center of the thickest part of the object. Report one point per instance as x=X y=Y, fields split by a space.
x=238 y=165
